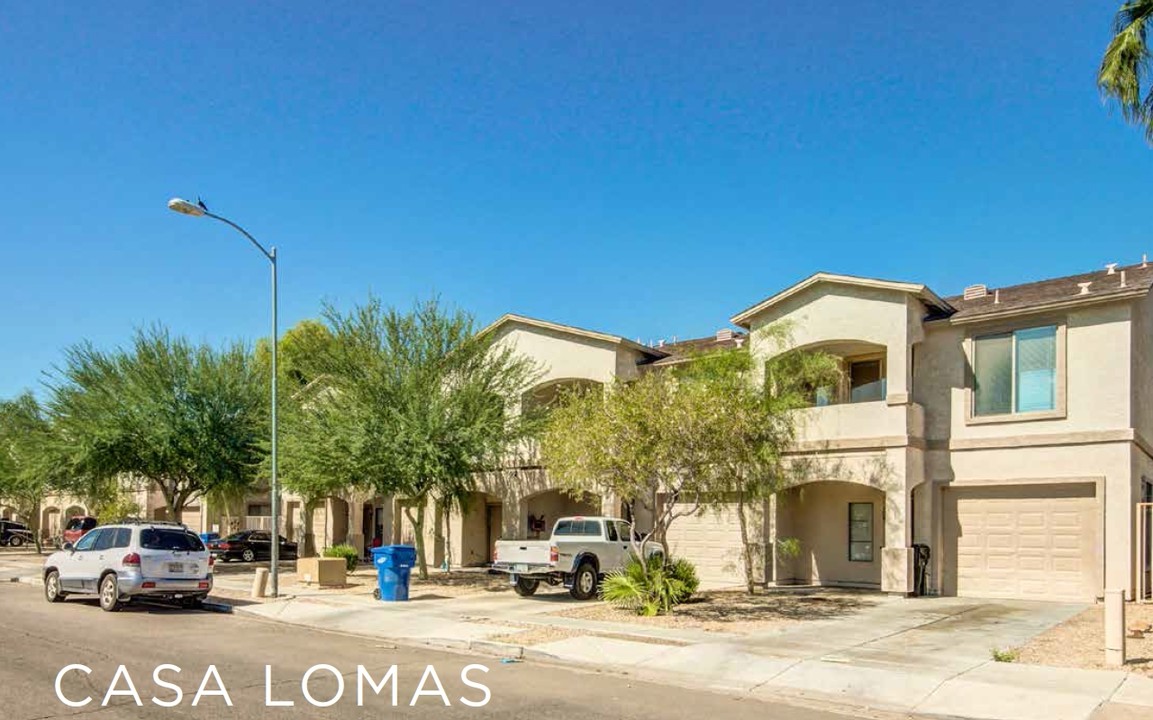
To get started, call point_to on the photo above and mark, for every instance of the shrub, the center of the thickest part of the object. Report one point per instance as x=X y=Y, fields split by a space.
x=1005 y=656
x=348 y=552
x=651 y=590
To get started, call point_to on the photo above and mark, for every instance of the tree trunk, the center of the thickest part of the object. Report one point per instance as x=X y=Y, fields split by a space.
x=309 y=544
x=746 y=555
x=418 y=530
x=447 y=537
x=35 y=526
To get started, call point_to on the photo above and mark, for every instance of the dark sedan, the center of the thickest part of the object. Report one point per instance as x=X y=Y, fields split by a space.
x=250 y=545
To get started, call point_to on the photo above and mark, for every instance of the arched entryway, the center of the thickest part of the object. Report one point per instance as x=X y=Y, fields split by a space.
x=74 y=511
x=50 y=522
x=481 y=523
x=830 y=533
x=7 y=512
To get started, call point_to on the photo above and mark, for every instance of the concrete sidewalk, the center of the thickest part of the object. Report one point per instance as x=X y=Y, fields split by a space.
x=926 y=656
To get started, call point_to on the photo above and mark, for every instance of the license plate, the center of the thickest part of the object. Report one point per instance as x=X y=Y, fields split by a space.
x=175 y=567
x=520 y=567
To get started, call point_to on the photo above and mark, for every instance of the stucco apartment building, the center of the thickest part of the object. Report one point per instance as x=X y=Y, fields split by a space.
x=1008 y=429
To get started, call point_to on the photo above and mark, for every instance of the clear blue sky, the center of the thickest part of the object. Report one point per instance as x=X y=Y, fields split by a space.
x=645 y=169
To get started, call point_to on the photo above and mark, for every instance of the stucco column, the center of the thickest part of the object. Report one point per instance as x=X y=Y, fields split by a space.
x=771 y=563
x=897 y=556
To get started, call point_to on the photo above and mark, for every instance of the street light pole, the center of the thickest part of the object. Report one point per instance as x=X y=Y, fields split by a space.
x=199 y=210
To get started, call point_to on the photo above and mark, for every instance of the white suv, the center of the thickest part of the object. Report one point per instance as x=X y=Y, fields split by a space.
x=128 y=560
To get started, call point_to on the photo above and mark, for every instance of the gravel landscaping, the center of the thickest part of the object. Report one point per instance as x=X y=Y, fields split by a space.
x=737 y=612
x=1080 y=642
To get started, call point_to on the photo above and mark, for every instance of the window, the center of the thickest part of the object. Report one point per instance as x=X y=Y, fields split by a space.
x=866 y=381
x=626 y=531
x=611 y=531
x=588 y=528
x=105 y=540
x=123 y=538
x=861 y=532
x=164 y=539
x=86 y=542
x=255 y=510
x=1015 y=372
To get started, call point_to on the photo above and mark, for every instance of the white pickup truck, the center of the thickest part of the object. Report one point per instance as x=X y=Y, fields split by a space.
x=579 y=553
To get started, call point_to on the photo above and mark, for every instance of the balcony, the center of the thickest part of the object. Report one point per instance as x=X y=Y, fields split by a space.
x=862 y=424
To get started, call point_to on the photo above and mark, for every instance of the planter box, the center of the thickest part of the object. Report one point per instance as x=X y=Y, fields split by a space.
x=325 y=572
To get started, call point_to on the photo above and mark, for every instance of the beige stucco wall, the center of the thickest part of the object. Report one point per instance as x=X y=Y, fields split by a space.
x=817 y=515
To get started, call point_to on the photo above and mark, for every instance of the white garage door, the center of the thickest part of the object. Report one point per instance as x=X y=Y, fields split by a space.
x=1036 y=542
x=711 y=541
x=190 y=516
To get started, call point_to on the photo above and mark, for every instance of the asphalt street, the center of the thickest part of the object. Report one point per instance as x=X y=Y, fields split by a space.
x=38 y=639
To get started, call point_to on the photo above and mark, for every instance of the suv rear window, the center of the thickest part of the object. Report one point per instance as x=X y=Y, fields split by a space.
x=162 y=539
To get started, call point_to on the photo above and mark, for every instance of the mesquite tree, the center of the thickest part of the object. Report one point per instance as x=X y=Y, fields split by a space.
x=190 y=419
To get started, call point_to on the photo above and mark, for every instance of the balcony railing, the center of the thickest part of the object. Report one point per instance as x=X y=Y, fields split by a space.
x=860 y=421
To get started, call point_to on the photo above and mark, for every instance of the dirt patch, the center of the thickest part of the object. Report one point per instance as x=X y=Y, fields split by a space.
x=737 y=612
x=1080 y=642
x=457 y=583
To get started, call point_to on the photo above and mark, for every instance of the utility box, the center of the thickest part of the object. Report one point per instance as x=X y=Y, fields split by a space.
x=321 y=571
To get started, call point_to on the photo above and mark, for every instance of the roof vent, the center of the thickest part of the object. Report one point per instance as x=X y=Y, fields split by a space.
x=973 y=292
x=1084 y=287
x=724 y=335
x=1111 y=269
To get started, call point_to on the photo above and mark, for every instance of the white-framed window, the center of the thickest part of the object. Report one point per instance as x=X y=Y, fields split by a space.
x=861 y=532
x=1015 y=372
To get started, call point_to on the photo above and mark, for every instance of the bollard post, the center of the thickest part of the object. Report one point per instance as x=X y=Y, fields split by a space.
x=259 y=582
x=1115 y=627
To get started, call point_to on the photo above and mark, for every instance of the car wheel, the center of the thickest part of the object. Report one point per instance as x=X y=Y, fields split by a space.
x=109 y=594
x=52 y=591
x=16 y=541
x=526 y=586
x=248 y=555
x=584 y=582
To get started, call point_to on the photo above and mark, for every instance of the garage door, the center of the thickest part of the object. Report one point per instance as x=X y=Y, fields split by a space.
x=711 y=541
x=1036 y=542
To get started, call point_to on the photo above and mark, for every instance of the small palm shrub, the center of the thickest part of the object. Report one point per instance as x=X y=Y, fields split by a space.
x=348 y=552
x=652 y=588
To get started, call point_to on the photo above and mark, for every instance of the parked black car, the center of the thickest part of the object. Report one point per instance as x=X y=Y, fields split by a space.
x=249 y=545
x=14 y=533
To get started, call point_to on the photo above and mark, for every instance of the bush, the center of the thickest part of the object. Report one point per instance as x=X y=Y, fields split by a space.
x=1004 y=656
x=348 y=552
x=653 y=590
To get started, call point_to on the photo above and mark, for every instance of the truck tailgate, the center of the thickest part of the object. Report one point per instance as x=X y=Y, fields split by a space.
x=522 y=552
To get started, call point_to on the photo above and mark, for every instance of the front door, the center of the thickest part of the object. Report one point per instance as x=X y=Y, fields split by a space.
x=80 y=568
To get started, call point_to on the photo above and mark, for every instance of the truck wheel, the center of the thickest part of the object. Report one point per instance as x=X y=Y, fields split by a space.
x=16 y=541
x=584 y=582
x=526 y=586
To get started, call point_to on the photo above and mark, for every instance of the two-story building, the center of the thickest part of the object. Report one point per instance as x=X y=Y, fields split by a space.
x=1007 y=429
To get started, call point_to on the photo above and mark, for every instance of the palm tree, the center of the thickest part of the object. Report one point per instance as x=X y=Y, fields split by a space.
x=1125 y=63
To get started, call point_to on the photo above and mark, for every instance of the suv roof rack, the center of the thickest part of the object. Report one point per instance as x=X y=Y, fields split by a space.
x=146 y=521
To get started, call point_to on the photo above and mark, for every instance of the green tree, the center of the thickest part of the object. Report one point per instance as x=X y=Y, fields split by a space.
x=696 y=437
x=410 y=403
x=1124 y=69
x=299 y=346
x=190 y=419
x=25 y=473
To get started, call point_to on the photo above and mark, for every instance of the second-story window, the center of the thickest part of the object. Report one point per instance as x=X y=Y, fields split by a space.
x=866 y=381
x=1015 y=372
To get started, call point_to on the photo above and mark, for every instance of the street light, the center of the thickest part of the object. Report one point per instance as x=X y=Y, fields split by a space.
x=199 y=210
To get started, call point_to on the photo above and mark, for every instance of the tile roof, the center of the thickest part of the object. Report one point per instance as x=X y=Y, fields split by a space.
x=682 y=350
x=1054 y=292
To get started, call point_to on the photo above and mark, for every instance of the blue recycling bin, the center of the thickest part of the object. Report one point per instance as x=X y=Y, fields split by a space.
x=393 y=567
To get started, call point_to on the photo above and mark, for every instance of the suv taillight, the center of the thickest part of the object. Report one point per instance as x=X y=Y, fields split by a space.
x=131 y=560
x=553 y=554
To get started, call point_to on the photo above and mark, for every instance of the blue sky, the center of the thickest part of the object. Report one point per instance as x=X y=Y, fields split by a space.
x=647 y=169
